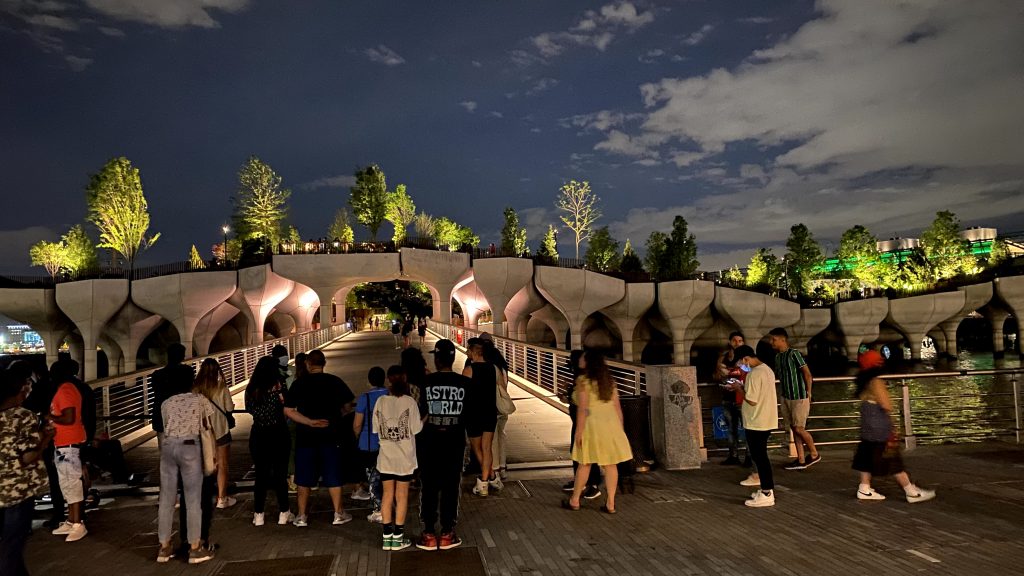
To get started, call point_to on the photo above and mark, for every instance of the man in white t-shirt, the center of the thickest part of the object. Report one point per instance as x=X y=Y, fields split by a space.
x=760 y=416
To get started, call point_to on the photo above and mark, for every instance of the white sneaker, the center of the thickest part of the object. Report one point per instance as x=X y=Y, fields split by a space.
x=503 y=473
x=285 y=517
x=257 y=519
x=360 y=494
x=751 y=480
x=921 y=496
x=760 y=500
x=495 y=484
x=78 y=531
x=341 y=518
x=62 y=529
x=300 y=521
x=869 y=495
x=376 y=517
x=226 y=502
x=481 y=488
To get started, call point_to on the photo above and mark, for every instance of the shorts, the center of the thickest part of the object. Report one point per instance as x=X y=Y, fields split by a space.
x=476 y=426
x=871 y=457
x=69 y=473
x=317 y=464
x=396 y=477
x=224 y=440
x=795 y=412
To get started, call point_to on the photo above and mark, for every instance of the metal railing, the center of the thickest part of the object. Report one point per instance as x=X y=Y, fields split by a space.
x=547 y=368
x=124 y=404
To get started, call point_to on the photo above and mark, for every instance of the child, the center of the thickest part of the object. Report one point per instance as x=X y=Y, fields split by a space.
x=364 y=427
x=396 y=422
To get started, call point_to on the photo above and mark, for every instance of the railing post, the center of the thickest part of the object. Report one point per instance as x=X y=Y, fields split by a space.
x=636 y=382
x=908 y=420
x=1016 y=407
x=106 y=409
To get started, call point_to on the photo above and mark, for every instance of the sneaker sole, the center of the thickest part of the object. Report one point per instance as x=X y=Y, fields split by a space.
x=866 y=497
x=199 y=560
x=400 y=547
x=426 y=549
x=809 y=464
x=340 y=522
x=449 y=547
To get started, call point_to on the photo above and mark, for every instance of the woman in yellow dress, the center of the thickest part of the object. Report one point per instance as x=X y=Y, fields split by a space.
x=600 y=438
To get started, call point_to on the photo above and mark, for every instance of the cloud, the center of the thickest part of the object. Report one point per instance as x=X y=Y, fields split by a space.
x=477 y=64
x=651 y=56
x=542 y=85
x=757 y=20
x=340 y=181
x=469 y=105
x=78 y=63
x=600 y=121
x=496 y=114
x=111 y=31
x=384 y=55
x=699 y=36
x=168 y=13
x=594 y=29
x=53 y=21
x=536 y=221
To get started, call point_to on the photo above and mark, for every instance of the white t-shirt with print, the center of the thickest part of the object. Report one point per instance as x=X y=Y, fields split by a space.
x=397 y=421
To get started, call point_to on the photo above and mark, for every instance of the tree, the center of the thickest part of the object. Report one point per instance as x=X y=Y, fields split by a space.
x=400 y=211
x=733 y=277
x=654 y=260
x=369 y=198
x=513 y=238
x=290 y=235
x=947 y=252
x=580 y=207
x=118 y=209
x=80 y=251
x=764 y=271
x=672 y=256
x=548 y=251
x=49 y=255
x=603 y=251
x=452 y=235
x=859 y=258
x=999 y=253
x=196 y=260
x=630 y=261
x=341 y=229
x=259 y=204
x=423 y=224
x=803 y=260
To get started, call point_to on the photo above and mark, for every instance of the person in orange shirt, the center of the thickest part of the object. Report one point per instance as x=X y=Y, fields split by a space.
x=66 y=415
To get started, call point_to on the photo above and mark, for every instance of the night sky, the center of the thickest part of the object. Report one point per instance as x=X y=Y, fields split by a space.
x=746 y=117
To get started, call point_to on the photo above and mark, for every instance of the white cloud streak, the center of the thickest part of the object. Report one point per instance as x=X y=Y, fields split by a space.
x=340 y=181
x=168 y=13
x=384 y=55
x=594 y=29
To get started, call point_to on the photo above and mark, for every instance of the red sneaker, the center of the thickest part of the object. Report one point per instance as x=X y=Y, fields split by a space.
x=449 y=540
x=427 y=542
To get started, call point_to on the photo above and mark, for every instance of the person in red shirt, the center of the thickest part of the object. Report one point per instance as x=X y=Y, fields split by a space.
x=66 y=415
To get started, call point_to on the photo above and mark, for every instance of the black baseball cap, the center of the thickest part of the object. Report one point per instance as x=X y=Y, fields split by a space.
x=444 y=347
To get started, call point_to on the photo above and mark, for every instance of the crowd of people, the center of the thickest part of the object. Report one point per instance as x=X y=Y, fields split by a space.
x=414 y=426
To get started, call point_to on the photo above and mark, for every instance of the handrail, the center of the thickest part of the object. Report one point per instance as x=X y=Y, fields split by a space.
x=124 y=403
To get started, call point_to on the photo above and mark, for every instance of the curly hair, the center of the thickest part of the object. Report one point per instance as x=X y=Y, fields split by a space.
x=597 y=371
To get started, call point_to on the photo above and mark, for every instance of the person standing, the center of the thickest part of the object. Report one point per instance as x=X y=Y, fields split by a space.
x=66 y=415
x=38 y=402
x=396 y=330
x=396 y=421
x=483 y=419
x=367 y=439
x=316 y=403
x=174 y=378
x=22 y=471
x=421 y=329
x=445 y=401
x=878 y=453
x=505 y=409
x=415 y=370
x=569 y=397
x=731 y=399
x=184 y=417
x=269 y=439
x=760 y=417
x=407 y=329
x=211 y=383
x=795 y=378
x=600 y=437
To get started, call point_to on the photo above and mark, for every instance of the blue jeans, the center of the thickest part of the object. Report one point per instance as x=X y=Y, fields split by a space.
x=17 y=525
x=733 y=418
x=184 y=457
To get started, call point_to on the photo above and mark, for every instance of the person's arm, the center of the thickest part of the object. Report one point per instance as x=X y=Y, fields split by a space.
x=357 y=423
x=583 y=409
x=752 y=387
x=66 y=416
x=295 y=416
x=618 y=406
x=807 y=378
x=881 y=394
x=721 y=369
x=467 y=370
x=43 y=439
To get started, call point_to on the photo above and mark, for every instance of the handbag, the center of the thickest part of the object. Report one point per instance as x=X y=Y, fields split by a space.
x=209 y=445
x=505 y=404
x=227 y=416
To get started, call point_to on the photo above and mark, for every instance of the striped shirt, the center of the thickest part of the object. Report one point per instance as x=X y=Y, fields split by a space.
x=788 y=366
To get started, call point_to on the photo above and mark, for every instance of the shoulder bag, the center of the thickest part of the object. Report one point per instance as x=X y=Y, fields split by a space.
x=505 y=404
x=209 y=445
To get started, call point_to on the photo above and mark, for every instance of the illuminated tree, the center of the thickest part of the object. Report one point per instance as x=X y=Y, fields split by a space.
x=118 y=209
x=548 y=251
x=654 y=260
x=803 y=260
x=513 y=238
x=452 y=235
x=580 y=206
x=423 y=224
x=195 y=260
x=630 y=261
x=764 y=271
x=672 y=256
x=369 y=198
x=260 y=204
x=947 y=252
x=81 y=251
x=603 y=251
x=400 y=211
x=859 y=259
x=49 y=255
x=341 y=229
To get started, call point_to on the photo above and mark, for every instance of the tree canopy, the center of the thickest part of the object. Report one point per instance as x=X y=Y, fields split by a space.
x=672 y=256
x=548 y=251
x=80 y=251
x=860 y=259
x=452 y=235
x=804 y=260
x=400 y=211
x=260 y=204
x=764 y=271
x=118 y=209
x=630 y=260
x=341 y=228
x=49 y=255
x=369 y=198
x=948 y=254
x=513 y=238
x=580 y=206
x=423 y=224
x=603 y=251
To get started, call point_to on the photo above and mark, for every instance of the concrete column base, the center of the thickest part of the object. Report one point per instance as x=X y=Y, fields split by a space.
x=676 y=427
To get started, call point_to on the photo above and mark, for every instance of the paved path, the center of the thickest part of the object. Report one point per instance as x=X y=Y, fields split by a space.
x=676 y=522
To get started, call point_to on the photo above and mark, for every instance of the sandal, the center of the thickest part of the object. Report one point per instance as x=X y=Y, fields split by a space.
x=606 y=510
x=568 y=505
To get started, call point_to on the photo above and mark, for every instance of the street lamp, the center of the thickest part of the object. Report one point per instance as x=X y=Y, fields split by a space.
x=225 y=229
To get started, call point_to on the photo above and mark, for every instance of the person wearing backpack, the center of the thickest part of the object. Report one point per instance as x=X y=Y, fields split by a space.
x=369 y=442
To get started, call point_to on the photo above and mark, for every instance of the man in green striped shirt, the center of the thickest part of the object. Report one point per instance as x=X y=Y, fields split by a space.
x=795 y=380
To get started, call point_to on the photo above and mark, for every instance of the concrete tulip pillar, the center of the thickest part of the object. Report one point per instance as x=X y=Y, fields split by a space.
x=339 y=303
x=554 y=320
x=37 y=307
x=859 y=321
x=812 y=322
x=90 y=304
x=128 y=328
x=683 y=303
x=756 y=314
x=442 y=272
x=114 y=355
x=300 y=304
x=499 y=280
x=472 y=302
x=1011 y=291
x=975 y=296
x=917 y=315
x=626 y=313
x=996 y=317
x=184 y=299
x=210 y=324
x=517 y=313
x=259 y=291
x=577 y=294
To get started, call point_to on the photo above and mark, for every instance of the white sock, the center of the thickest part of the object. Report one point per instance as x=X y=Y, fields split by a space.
x=911 y=490
x=864 y=488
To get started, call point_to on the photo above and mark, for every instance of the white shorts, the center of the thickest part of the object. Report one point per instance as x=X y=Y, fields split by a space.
x=69 y=473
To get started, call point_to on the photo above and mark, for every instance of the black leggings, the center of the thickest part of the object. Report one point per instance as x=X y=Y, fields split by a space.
x=270 y=449
x=757 y=446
